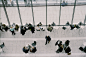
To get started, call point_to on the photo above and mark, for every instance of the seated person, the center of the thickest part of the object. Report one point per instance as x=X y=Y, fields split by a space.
x=53 y=24
x=33 y=50
x=40 y=24
x=16 y=27
x=72 y=27
x=31 y=28
x=50 y=28
x=5 y=27
x=34 y=44
x=39 y=28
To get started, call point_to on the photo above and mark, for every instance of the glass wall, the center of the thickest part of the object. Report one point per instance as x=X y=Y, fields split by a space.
x=66 y=14
x=79 y=16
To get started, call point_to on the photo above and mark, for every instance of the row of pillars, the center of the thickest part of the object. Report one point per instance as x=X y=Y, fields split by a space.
x=33 y=12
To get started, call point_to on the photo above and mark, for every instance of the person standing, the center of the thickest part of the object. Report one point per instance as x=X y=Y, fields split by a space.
x=48 y=39
x=12 y=30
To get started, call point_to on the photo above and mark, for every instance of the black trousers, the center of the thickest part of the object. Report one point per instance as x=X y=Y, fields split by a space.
x=47 y=41
x=13 y=33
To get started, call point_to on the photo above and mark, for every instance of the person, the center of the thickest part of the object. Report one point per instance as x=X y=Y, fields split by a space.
x=31 y=28
x=2 y=46
x=83 y=47
x=60 y=46
x=34 y=44
x=66 y=43
x=16 y=27
x=64 y=4
x=53 y=24
x=5 y=27
x=40 y=24
x=50 y=28
x=58 y=42
x=23 y=30
x=67 y=47
x=72 y=27
x=26 y=48
x=48 y=39
x=33 y=50
x=12 y=30
x=40 y=28
x=68 y=50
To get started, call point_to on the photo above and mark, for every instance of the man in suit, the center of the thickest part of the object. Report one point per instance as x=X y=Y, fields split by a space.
x=48 y=39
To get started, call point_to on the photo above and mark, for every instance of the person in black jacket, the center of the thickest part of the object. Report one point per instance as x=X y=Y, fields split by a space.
x=48 y=39
x=60 y=46
x=31 y=28
x=23 y=30
x=33 y=49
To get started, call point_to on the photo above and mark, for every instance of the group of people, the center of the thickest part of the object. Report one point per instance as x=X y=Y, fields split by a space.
x=15 y=27
x=60 y=46
x=30 y=48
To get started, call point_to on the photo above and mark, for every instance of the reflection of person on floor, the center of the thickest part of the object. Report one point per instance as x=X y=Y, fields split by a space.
x=83 y=47
x=48 y=39
x=31 y=28
x=16 y=27
x=1 y=47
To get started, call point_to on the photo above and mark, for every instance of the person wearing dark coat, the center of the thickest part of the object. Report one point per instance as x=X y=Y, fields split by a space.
x=16 y=27
x=25 y=49
x=5 y=27
x=48 y=39
x=33 y=50
x=31 y=28
x=60 y=46
x=23 y=30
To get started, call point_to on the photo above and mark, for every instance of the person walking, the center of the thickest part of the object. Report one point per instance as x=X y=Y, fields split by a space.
x=48 y=39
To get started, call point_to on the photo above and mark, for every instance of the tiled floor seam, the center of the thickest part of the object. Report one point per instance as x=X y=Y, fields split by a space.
x=65 y=38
